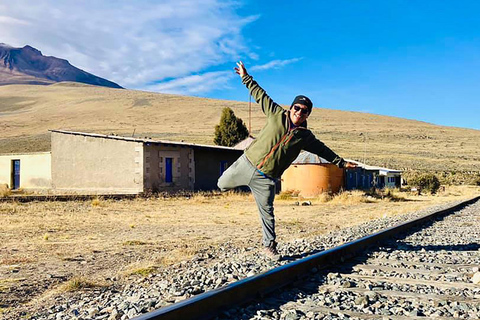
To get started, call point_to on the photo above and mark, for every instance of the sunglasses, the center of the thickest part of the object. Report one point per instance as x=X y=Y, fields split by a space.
x=302 y=110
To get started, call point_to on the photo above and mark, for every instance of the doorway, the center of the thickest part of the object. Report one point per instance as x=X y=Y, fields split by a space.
x=15 y=174
x=169 y=170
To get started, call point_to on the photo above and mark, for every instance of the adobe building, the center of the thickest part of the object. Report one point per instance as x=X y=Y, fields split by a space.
x=89 y=163
x=26 y=170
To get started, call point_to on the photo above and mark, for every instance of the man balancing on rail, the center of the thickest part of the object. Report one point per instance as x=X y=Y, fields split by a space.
x=277 y=145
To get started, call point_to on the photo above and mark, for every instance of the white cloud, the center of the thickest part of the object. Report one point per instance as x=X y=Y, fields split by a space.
x=195 y=84
x=167 y=46
x=132 y=43
x=9 y=20
x=274 y=64
x=201 y=83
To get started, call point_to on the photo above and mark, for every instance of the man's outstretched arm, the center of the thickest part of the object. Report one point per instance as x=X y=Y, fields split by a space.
x=319 y=148
x=260 y=95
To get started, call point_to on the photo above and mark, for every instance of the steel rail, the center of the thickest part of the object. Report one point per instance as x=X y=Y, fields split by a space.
x=209 y=304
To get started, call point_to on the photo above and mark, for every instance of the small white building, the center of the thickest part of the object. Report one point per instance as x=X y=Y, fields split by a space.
x=26 y=170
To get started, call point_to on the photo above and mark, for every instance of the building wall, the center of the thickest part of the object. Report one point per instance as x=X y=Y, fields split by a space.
x=393 y=180
x=208 y=166
x=96 y=165
x=183 y=168
x=35 y=170
x=359 y=178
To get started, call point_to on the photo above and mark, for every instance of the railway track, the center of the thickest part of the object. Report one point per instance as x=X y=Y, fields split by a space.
x=421 y=269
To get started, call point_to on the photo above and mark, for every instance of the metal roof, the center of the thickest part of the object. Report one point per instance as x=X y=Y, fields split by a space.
x=306 y=157
x=143 y=140
x=373 y=168
x=242 y=145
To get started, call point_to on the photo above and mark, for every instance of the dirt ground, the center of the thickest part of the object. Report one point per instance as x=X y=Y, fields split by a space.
x=44 y=245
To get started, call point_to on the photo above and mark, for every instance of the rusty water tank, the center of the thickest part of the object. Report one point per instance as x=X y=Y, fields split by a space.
x=311 y=175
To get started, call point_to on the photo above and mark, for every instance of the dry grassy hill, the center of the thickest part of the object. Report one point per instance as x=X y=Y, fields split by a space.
x=28 y=111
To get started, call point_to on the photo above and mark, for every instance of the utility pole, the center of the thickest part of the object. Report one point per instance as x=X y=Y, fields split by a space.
x=364 y=135
x=365 y=149
x=250 y=114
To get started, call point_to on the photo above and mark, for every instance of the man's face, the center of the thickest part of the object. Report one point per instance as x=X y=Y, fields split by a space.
x=298 y=114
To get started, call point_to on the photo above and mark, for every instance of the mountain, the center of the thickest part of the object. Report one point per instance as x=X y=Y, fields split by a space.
x=28 y=65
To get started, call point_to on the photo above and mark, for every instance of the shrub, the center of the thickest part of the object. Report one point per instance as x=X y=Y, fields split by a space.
x=426 y=182
x=231 y=129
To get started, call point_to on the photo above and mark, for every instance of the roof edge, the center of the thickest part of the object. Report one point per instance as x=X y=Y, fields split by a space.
x=131 y=139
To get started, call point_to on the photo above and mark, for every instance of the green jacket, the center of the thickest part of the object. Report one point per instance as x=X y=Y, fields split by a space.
x=277 y=145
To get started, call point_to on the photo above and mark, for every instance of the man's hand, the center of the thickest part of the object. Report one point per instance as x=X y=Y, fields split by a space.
x=240 y=69
x=350 y=165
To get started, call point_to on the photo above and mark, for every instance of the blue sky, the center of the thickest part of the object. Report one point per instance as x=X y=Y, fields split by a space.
x=411 y=59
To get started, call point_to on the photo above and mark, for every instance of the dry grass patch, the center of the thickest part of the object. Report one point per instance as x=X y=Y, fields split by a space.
x=5 y=284
x=350 y=198
x=16 y=260
x=140 y=271
x=288 y=195
x=324 y=197
x=362 y=196
x=79 y=283
x=4 y=191
x=134 y=243
x=98 y=202
x=173 y=257
x=206 y=196
x=144 y=268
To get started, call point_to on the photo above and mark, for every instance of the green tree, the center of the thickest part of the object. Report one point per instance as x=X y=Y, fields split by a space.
x=231 y=129
x=427 y=182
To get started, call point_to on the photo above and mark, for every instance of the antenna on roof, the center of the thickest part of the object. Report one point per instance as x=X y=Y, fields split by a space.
x=133 y=132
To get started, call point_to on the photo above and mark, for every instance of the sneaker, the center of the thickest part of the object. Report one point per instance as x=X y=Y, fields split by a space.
x=272 y=252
